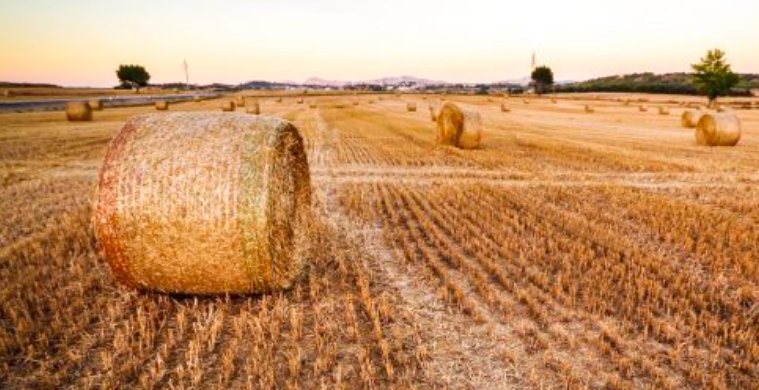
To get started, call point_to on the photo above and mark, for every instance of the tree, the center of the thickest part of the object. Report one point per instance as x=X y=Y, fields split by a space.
x=133 y=76
x=713 y=76
x=542 y=79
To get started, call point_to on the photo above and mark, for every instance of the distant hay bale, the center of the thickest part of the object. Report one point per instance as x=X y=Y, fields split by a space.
x=279 y=100
x=663 y=111
x=627 y=102
x=196 y=99
x=690 y=118
x=589 y=109
x=526 y=101
x=229 y=217
x=355 y=102
x=96 y=104
x=411 y=107
x=78 y=112
x=8 y=93
x=433 y=113
x=339 y=105
x=458 y=127
x=718 y=130
x=240 y=101
x=489 y=100
x=300 y=101
x=642 y=108
x=553 y=101
x=161 y=105
x=228 y=106
x=312 y=105
x=380 y=98
x=253 y=107
x=505 y=108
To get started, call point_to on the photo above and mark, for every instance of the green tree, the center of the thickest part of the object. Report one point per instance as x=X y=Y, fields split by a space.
x=133 y=76
x=713 y=76
x=542 y=79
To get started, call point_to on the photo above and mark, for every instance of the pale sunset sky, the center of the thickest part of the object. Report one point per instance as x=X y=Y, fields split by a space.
x=81 y=42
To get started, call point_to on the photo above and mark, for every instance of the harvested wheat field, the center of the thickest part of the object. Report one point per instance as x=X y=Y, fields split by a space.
x=604 y=251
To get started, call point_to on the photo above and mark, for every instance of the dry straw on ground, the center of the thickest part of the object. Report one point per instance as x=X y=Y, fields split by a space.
x=96 y=104
x=718 y=130
x=162 y=105
x=505 y=108
x=228 y=106
x=690 y=118
x=226 y=218
x=78 y=111
x=411 y=107
x=458 y=127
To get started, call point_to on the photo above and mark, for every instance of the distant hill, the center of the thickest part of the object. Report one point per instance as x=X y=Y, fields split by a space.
x=669 y=83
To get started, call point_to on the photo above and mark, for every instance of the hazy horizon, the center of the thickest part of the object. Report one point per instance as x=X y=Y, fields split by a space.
x=81 y=42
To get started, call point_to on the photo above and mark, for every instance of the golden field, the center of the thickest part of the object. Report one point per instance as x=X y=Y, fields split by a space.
x=575 y=250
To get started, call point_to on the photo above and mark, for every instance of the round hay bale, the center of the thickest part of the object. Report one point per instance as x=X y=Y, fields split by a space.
x=458 y=127
x=196 y=99
x=339 y=105
x=663 y=111
x=78 y=112
x=229 y=217
x=240 y=102
x=312 y=105
x=690 y=118
x=718 y=130
x=300 y=101
x=505 y=108
x=627 y=102
x=526 y=101
x=96 y=104
x=589 y=109
x=162 y=105
x=355 y=103
x=228 y=106
x=642 y=108
x=253 y=107
x=411 y=107
x=279 y=100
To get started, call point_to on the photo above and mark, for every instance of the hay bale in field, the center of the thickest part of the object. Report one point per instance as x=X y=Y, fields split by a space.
x=196 y=99
x=279 y=100
x=458 y=127
x=240 y=102
x=642 y=108
x=526 y=101
x=78 y=112
x=627 y=102
x=589 y=109
x=228 y=106
x=411 y=107
x=690 y=118
x=161 y=105
x=505 y=108
x=718 y=130
x=553 y=101
x=300 y=101
x=8 y=93
x=663 y=111
x=433 y=113
x=226 y=218
x=339 y=105
x=96 y=104
x=312 y=105
x=253 y=107
x=355 y=103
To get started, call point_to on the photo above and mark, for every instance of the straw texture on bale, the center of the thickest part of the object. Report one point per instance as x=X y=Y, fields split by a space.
x=690 y=118
x=96 y=104
x=589 y=109
x=411 y=107
x=718 y=130
x=458 y=127
x=505 y=108
x=253 y=107
x=162 y=105
x=204 y=203
x=78 y=112
x=663 y=111
x=228 y=106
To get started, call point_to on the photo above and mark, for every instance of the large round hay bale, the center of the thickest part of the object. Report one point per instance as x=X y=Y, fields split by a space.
x=204 y=203
x=162 y=105
x=690 y=118
x=253 y=107
x=505 y=108
x=78 y=112
x=458 y=127
x=411 y=107
x=718 y=130
x=96 y=104
x=228 y=106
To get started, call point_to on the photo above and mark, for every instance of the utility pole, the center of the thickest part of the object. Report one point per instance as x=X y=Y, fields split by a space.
x=186 y=74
